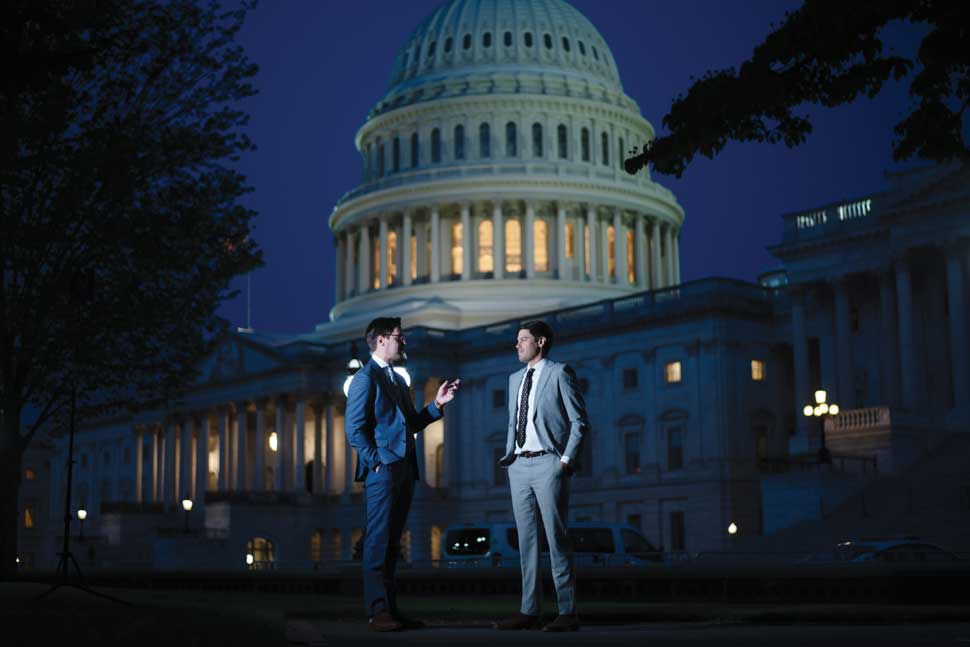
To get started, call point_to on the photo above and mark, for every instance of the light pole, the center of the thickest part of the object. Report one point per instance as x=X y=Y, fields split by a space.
x=187 y=506
x=819 y=410
x=82 y=514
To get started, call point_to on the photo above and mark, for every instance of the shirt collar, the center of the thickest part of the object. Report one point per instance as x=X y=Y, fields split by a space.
x=379 y=361
x=538 y=366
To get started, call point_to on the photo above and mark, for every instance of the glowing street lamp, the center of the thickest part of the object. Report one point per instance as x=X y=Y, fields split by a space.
x=819 y=410
x=274 y=442
x=187 y=506
x=733 y=529
x=353 y=366
x=82 y=514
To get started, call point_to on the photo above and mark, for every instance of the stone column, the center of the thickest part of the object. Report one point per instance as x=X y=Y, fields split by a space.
x=365 y=282
x=528 y=241
x=803 y=390
x=185 y=462
x=382 y=250
x=466 y=242
x=317 y=448
x=241 y=440
x=591 y=228
x=843 y=346
x=329 y=485
x=168 y=479
x=907 y=350
x=201 y=461
x=139 y=464
x=668 y=256
x=561 y=262
x=224 y=462
x=283 y=448
x=579 y=259
x=299 y=440
x=404 y=245
x=889 y=344
x=421 y=247
x=619 y=247
x=498 y=241
x=676 y=242
x=639 y=253
x=338 y=276
x=956 y=295
x=349 y=277
x=656 y=280
x=260 y=445
x=435 y=245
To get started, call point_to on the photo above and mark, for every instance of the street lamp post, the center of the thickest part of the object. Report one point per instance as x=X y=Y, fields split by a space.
x=187 y=506
x=82 y=514
x=819 y=410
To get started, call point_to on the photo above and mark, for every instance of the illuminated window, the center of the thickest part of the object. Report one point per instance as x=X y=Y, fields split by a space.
x=439 y=465
x=630 y=270
x=436 y=530
x=391 y=257
x=611 y=252
x=456 y=248
x=485 y=259
x=570 y=240
x=537 y=139
x=259 y=554
x=414 y=257
x=28 y=516
x=562 y=139
x=757 y=370
x=316 y=545
x=541 y=232
x=29 y=474
x=672 y=372
x=513 y=246
x=586 y=248
x=375 y=259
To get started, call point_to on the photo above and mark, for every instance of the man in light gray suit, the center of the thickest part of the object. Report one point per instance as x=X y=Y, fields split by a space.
x=547 y=427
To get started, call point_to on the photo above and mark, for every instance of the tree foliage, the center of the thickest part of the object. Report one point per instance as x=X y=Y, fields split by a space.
x=828 y=53
x=121 y=217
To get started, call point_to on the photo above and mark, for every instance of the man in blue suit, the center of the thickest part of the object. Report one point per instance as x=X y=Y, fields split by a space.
x=380 y=423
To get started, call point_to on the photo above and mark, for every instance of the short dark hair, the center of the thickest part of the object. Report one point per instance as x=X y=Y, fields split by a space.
x=538 y=328
x=380 y=327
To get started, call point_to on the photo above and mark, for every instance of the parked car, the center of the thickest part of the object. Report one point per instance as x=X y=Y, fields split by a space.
x=497 y=544
x=906 y=550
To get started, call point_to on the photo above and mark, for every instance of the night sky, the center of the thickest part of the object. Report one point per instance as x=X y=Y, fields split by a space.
x=324 y=64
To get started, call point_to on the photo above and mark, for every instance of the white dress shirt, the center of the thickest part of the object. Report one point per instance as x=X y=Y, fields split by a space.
x=532 y=443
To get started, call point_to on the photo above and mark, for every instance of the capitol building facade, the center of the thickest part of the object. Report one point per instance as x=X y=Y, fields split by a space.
x=493 y=191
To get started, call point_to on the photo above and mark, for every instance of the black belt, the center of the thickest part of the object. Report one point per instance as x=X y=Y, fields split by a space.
x=532 y=454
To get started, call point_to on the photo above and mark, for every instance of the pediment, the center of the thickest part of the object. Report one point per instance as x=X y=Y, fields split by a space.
x=236 y=357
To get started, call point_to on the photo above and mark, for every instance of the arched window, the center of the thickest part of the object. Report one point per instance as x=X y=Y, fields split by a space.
x=396 y=155
x=513 y=246
x=595 y=54
x=584 y=144
x=380 y=158
x=621 y=153
x=630 y=268
x=528 y=39
x=570 y=239
x=565 y=43
x=605 y=141
x=316 y=546
x=547 y=39
x=485 y=247
x=431 y=49
x=459 y=142
x=415 y=152
x=510 y=137
x=436 y=537
x=435 y=145
x=375 y=258
x=448 y=44
x=456 y=248
x=586 y=262
x=610 y=252
x=562 y=137
x=537 y=139
x=391 y=257
x=541 y=245
x=336 y=543
x=582 y=48
x=414 y=256
x=259 y=554
x=484 y=141
x=487 y=39
x=466 y=42
x=508 y=39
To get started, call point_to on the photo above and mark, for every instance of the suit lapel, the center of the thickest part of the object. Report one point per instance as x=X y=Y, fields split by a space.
x=389 y=387
x=544 y=377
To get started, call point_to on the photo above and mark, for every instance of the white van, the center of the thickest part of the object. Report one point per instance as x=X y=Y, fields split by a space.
x=497 y=544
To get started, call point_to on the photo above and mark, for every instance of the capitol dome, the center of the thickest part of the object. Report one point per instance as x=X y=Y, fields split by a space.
x=493 y=183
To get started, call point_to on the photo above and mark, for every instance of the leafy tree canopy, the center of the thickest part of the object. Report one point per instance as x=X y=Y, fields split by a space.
x=828 y=52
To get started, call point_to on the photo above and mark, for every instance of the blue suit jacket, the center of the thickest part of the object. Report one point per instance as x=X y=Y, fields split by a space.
x=378 y=417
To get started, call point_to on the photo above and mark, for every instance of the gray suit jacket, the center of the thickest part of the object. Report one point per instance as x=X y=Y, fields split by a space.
x=559 y=416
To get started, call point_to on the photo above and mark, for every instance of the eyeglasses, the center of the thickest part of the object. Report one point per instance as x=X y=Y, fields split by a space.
x=399 y=337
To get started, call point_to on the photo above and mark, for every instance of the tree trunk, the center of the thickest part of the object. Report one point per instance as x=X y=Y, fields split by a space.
x=11 y=456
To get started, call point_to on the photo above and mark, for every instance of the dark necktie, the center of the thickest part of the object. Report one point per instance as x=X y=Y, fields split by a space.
x=402 y=395
x=523 y=409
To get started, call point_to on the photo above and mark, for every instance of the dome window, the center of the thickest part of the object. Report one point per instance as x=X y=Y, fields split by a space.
x=537 y=139
x=448 y=42
x=396 y=155
x=466 y=41
x=565 y=43
x=431 y=49
x=459 y=142
x=528 y=39
x=584 y=144
x=487 y=39
x=508 y=39
x=416 y=150
x=582 y=48
x=605 y=141
x=622 y=153
x=511 y=148
x=547 y=39
x=435 y=146
x=595 y=53
x=484 y=141
x=563 y=141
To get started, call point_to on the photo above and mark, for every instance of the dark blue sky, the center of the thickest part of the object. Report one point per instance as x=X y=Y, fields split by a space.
x=324 y=64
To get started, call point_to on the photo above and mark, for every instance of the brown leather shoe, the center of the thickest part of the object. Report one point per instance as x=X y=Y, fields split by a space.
x=563 y=623
x=384 y=621
x=516 y=622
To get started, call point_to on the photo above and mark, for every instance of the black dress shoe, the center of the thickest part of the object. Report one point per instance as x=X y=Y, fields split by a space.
x=516 y=622
x=563 y=623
